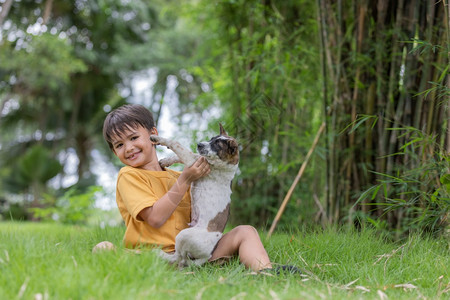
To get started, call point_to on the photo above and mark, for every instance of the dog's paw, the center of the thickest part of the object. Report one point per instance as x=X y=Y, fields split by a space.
x=169 y=160
x=182 y=263
x=200 y=261
x=165 y=162
x=155 y=139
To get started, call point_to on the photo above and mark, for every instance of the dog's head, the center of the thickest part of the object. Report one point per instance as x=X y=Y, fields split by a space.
x=220 y=149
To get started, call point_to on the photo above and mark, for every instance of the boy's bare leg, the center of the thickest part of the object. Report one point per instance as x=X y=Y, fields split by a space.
x=243 y=240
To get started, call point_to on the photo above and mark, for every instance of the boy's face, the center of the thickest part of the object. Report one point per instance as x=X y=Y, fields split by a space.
x=135 y=149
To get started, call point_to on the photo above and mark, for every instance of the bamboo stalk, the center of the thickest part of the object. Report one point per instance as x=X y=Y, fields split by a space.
x=325 y=98
x=334 y=77
x=368 y=156
x=447 y=17
x=296 y=180
x=427 y=66
x=362 y=10
x=384 y=123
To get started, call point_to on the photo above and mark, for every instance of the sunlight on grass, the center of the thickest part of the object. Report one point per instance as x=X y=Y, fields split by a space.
x=49 y=261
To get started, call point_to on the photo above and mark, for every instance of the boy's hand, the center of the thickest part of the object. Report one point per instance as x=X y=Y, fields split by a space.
x=199 y=169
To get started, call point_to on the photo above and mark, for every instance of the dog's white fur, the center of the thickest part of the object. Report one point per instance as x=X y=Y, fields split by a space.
x=210 y=197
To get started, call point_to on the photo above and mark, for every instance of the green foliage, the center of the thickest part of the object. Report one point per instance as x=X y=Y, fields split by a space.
x=440 y=88
x=38 y=165
x=32 y=171
x=47 y=62
x=56 y=78
x=72 y=208
x=75 y=208
x=13 y=212
x=419 y=192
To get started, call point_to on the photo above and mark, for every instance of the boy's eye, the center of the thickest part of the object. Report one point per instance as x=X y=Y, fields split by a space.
x=134 y=138
x=117 y=146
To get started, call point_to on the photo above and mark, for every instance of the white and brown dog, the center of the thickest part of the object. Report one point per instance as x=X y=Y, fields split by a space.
x=210 y=196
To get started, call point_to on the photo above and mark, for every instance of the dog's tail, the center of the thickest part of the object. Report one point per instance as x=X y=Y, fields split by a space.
x=170 y=257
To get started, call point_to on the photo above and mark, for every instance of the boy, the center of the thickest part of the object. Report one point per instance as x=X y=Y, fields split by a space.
x=155 y=202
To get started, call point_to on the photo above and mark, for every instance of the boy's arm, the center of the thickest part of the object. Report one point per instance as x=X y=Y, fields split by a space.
x=158 y=214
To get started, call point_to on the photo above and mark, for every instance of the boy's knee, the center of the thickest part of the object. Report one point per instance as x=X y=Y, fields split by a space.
x=246 y=231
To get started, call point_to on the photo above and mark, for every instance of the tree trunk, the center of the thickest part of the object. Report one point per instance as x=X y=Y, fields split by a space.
x=47 y=11
x=5 y=11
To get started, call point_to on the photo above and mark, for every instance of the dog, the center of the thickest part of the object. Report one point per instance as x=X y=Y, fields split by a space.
x=210 y=196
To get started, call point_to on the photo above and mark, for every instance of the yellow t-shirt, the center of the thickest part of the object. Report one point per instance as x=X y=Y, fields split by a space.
x=138 y=189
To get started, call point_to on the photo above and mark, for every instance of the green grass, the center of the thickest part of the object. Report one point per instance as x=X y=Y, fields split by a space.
x=55 y=262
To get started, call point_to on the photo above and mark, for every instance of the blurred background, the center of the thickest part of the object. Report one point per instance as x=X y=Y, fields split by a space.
x=375 y=72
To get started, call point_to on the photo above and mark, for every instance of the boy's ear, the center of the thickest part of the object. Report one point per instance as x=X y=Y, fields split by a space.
x=154 y=131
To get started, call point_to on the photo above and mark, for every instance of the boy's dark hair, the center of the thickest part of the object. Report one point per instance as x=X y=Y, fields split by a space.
x=126 y=117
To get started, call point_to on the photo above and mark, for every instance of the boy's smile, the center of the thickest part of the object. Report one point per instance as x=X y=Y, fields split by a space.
x=134 y=148
x=133 y=156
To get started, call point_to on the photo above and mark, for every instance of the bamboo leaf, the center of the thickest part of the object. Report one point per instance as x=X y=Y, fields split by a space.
x=444 y=73
x=359 y=120
x=365 y=194
x=397 y=179
x=411 y=142
x=434 y=196
x=445 y=179
x=375 y=192
x=358 y=124
x=393 y=154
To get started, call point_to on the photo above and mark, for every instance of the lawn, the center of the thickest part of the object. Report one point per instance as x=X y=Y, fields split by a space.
x=51 y=261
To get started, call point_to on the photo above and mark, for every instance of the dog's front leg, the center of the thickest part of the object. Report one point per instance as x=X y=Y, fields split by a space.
x=185 y=155
x=168 y=161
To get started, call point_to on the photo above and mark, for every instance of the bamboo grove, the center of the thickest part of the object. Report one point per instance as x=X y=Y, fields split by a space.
x=386 y=65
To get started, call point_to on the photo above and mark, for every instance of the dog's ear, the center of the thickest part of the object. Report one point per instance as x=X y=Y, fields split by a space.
x=222 y=131
x=232 y=147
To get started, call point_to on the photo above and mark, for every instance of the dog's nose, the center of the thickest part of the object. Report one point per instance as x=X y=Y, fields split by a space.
x=200 y=146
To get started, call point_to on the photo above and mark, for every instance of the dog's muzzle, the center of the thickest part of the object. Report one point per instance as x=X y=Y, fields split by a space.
x=201 y=148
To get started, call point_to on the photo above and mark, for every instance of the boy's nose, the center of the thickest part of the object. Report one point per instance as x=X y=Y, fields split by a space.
x=129 y=147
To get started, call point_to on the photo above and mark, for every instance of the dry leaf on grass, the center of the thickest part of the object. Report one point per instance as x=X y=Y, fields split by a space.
x=188 y=273
x=406 y=286
x=446 y=290
x=23 y=288
x=40 y=296
x=350 y=283
x=382 y=295
x=200 y=293
x=361 y=288
x=238 y=296
x=273 y=295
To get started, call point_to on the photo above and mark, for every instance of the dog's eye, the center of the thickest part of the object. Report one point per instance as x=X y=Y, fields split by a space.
x=232 y=146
